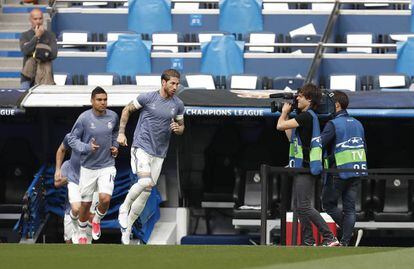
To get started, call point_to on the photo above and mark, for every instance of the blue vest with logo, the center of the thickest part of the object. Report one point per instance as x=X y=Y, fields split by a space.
x=349 y=148
x=315 y=153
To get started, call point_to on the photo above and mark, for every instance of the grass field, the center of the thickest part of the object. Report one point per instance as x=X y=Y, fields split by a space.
x=227 y=257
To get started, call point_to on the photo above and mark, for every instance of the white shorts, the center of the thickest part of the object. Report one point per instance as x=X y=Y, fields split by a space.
x=74 y=193
x=142 y=162
x=100 y=180
x=67 y=227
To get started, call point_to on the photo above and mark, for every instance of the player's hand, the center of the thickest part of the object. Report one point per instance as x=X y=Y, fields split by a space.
x=287 y=108
x=94 y=146
x=175 y=127
x=114 y=151
x=122 y=140
x=39 y=30
x=59 y=180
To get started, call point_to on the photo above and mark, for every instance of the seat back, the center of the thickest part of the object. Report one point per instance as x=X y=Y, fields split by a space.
x=288 y=83
x=396 y=196
x=113 y=36
x=102 y=79
x=75 y=37
x=206 y=36
x=17 y=166
x=391 y=81
x=311 y=39
x=350 y=82
x=262 y=38
x=245 y=82
x=163 y=41
x=200 y=81
x=147 y=80
x=62 y=79
x=359 y=38
x=275 y=6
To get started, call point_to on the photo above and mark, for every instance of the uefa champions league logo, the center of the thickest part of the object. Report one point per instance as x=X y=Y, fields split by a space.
x=352 y=143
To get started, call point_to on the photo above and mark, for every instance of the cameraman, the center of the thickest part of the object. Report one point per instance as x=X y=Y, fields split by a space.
x=305 y=151
x=343 y=139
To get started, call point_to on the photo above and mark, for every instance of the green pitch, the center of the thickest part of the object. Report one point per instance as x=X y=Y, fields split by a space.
x=200 y=257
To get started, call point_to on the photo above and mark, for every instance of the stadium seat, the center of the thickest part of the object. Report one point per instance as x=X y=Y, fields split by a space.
x=163 y=41
x=247 y=196
x=16 y=169
x=78 y=79
x=220 y=82
x=206 y=36
x=311 y=39
x=262 y=38
x=267 y=83
x=92 y=4
x=113 y=36
x=322 y=6
x=391 y=81
x=277 y=6
x=127 y=80
x=393 y=200
x=288 y=83
x=102 y=79
x=350 y=82
x=361 y=39
x=244 y=81
x=148 y=80
x=367 y=83
x=77 y=38
x=199 y=81
x=62 y=79
x=187 y=6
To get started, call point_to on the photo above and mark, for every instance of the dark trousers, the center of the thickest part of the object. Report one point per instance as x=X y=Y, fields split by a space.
x=303 y=190
x=333 y=189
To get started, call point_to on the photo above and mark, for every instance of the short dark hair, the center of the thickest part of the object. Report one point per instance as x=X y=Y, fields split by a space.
x=97 y=90
x=170 y=73
x=341 y=98
x=312 y=92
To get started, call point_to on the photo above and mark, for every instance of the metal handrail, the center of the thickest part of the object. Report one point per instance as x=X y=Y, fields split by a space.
x=327 y=45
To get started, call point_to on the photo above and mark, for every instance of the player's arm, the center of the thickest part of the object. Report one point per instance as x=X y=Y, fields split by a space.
x=126 y=112
x=60 y=156
x=115 y=144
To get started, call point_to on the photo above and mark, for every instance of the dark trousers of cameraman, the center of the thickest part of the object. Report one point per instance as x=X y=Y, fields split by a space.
x=334 y=189
x=303 y=191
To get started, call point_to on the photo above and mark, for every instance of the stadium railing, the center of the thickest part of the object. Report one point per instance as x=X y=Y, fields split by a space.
x=267 y=171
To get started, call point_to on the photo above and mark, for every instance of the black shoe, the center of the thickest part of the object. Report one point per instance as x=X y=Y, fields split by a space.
x=309 y=244
x=333 y=242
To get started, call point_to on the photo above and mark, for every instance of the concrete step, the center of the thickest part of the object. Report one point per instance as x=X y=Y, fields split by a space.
x=9 y=44
x=9 y=83
x=18 y=9
x=164 y=233
x=14 y=18
x=9 y=35
x=11 y=63
x=14 y=26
